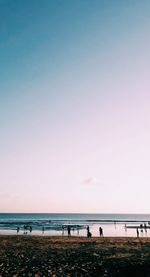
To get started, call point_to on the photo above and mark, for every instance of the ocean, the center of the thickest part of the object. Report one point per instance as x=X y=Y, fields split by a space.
x=56 y=224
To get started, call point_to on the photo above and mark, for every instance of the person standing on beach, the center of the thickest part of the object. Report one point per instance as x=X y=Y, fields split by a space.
x=100 y=231
x=89 y=234
x=137 y=231
x=78 y=230
x=25 y=230
x=88 y=229
x=145 y=227
x=69 y=231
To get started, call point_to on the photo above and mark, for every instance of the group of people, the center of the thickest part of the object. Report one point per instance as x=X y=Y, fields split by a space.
x=142 y=226
x=25 y=228
x=89 y=234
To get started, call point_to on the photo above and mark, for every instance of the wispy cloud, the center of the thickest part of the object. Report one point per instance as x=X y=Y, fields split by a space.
x=9 y=196
x=4 y=195
x=91 y=181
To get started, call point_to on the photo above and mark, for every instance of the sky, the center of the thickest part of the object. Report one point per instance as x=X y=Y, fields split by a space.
x=74 y=106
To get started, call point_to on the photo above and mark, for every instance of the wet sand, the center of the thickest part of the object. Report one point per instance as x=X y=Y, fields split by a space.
x=62 y=256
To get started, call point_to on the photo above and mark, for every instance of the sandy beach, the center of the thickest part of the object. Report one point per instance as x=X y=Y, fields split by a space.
x=63 y=256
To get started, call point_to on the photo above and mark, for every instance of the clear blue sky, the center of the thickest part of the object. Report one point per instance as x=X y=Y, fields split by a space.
x=74 y=106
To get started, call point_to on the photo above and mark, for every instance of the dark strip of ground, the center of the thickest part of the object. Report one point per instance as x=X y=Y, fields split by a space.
x=72 y=257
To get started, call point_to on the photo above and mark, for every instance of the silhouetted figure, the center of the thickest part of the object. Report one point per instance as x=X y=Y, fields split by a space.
x=100 y=231
x=125 y=227
x=18 y=229
x=30 y=229
x=89 y=234
x=25 y=229
x=137 y=231
x=62 y=230
x=69 y=231
x=88 y=229
x=145 y=227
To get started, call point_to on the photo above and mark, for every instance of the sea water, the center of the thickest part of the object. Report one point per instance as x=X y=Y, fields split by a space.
x=55 y=224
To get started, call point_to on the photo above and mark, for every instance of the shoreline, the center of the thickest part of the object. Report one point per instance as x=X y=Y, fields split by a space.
x=55 y=224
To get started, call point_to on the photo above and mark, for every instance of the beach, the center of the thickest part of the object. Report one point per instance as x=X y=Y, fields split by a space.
x=74 y=256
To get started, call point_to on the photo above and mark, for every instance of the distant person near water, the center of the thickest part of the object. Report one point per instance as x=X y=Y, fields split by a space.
x=25 y=230
x=89 y=234
x=18 y=229
x=101 y=232
x=125 y=226
x=62 y=230
x=145 y=227
x=137 y=231
x=88 y=229
x=69 y=231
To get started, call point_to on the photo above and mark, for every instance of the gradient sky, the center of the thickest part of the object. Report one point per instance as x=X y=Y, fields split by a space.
x=75 y=106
